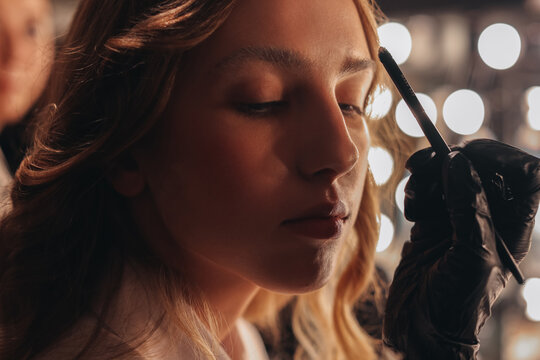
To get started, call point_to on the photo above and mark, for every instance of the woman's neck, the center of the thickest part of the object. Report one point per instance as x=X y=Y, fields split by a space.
x=226 y=293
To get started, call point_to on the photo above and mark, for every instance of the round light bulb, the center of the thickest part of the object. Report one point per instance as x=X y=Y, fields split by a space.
x=381 y=164
x=396 y=38
x=400 y=194
x=532 y=96
x=531 y=290
x=406 y=120
x=533 y=118
x=533 y=312
x=531 y=294
x=386 y=233
x=499 y=46
x=463 y=112
x=381 y=104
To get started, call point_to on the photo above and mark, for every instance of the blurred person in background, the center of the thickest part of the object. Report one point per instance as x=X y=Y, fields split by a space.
x=26 y=55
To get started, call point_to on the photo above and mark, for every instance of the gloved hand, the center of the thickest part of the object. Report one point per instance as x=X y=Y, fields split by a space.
x=450 y=273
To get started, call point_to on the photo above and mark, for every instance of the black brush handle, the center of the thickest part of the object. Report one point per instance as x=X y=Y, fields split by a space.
x=408 y=95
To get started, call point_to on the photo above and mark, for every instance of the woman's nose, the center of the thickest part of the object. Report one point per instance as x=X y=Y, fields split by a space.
x=327 y=149
x=15 y=49
x=7 y=47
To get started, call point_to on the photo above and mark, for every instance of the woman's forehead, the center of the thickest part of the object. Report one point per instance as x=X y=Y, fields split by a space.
x=20 y=10
x=314 y=30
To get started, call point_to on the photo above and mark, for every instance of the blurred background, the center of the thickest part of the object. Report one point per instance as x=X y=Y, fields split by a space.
x=476 y=67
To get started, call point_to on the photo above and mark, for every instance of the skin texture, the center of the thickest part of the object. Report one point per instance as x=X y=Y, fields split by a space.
x=253 y=138
x=26 y=54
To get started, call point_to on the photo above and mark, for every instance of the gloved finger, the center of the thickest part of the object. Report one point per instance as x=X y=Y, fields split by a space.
x=423 y=191
x=472 y=261
x=426 y=160
x=424 y=198
x=422 y=161
x=511 y=179
x=467 y=203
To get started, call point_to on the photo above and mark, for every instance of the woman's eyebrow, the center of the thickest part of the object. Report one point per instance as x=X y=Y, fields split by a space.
x=287 y=59
x=280 y=57
x=354 y=65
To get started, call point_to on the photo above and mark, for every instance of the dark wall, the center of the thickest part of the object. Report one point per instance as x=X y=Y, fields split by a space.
x=407 y=6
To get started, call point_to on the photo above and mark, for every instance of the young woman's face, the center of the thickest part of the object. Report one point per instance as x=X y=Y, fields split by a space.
x=262 y=155
x=26 y=54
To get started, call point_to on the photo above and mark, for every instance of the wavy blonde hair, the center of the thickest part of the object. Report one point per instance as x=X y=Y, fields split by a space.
x=66 y=239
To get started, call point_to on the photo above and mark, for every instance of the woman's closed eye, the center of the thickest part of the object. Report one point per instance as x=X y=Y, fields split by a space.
x=261 y=109
x=269 y=108
x=351 y=110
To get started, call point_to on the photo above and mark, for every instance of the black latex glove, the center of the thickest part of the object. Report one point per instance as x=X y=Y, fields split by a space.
x=450 y=273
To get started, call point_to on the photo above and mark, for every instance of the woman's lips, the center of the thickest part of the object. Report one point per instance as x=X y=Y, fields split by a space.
x=317 y=228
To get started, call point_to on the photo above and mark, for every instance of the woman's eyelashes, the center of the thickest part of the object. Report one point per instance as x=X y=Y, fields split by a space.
x=261 y=109
x=351 y=110
x=270 y=108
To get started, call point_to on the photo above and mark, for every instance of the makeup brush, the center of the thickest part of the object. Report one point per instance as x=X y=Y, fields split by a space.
x=437 y=142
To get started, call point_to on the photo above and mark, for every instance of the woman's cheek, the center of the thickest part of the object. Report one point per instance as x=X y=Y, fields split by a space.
x=236 y=162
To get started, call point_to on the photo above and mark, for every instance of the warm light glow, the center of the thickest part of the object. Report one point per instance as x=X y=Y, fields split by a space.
x=381 y=164
x=533 y=103
x=382 y=102
x=407 y=122
x=499 y=46
x=396 y=38
x=526 y=347
x=463 y=112
x=531 y=294
x=400 y=194
x=386 y=233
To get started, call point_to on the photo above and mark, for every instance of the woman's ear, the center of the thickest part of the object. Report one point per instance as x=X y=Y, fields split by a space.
x=127 y=177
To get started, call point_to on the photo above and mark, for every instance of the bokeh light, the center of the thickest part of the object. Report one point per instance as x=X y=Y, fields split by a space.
x=381 y=164
x=533 y=118
x=531 y=294
x=499 y=46
x=532 y=96
x=400 y=194
x=406 y=120
x=386 y=233
x=396 y=38
x=525 y=347
x=533 y=311
x=381 y=104
x=463 y=112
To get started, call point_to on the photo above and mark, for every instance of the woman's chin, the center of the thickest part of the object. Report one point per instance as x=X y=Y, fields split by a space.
x=296 y=280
